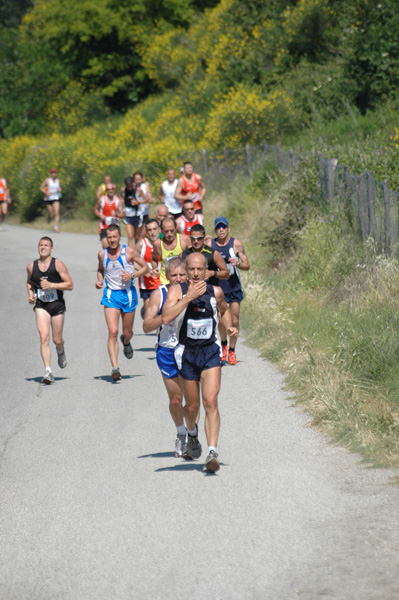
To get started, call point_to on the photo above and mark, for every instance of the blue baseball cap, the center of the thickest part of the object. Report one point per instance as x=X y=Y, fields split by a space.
x=221 y=221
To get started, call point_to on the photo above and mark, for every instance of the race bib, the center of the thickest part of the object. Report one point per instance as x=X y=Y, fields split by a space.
x=49 y=295
x=199 y=329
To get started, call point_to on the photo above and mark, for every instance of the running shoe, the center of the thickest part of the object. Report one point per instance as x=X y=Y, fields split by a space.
x=224 y=352
x=48 y=378
x=56 y=229
x=212 y=464
x=62 y=360
x=232 y=357
x=127 y=349
x=179 y=445
x=192 y=447
x=116 y=374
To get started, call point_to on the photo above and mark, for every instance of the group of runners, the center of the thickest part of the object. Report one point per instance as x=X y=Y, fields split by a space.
x=191 y=291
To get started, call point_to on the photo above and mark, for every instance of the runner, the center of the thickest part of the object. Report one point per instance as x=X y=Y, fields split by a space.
x=161 y=212
x=167 y=194
x=191 y=187
x=133 y=199
x=216 y=266
x=232 y=250
x=102 y=188
x=194 y=309
x=172 y=244
x=141 y=183
x=188 y=218
x=151 y=281
x=5 y=200
x=48 y=278
x=116 y=267
x=52 y=191
x=109 y=210
x=167 y=340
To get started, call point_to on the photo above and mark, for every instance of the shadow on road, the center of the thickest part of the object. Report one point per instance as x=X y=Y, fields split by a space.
x=39 y=379
x=158 y=455
x=152 y=349
x=108 y=379
x=186 y=466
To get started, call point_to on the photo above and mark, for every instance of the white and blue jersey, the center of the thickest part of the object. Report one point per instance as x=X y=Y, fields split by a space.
x=167 y=340
x=118 y=294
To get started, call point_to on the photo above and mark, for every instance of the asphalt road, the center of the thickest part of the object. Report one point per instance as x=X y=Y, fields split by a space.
x=94 y=505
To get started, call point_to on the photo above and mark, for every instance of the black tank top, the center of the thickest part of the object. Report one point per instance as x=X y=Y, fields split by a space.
x=51 y=275
x=198 y=326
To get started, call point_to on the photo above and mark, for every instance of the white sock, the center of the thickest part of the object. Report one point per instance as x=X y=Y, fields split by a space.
x=60 y=351
x=48 y=369
x=212 y=448
x=181 y=430
x=194 y=432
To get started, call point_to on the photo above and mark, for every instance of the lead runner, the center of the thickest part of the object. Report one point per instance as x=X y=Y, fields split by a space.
x=194 y=309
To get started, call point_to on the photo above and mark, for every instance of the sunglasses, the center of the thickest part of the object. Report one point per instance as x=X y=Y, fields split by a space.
x=221 y=226
x=194 y=239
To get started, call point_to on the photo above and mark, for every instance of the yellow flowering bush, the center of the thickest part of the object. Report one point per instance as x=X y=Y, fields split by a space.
x=245 y=115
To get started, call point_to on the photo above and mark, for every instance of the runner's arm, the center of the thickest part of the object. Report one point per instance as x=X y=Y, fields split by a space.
x=44 y=186
x=243 y=262
x=133 y=256
x=178 y=191
x=150 y=198
x=152 y=320
x=175 y=303
x=121 y=212
x=224 y=311
x=222 y=272
x=156 y=254
x=100 y=270
x=64 y=285
x=31 y=293
x=161 y=195
x=96 y=209
x=202 y=188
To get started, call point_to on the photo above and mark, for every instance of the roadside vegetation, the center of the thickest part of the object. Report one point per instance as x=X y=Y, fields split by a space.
x=143 y=84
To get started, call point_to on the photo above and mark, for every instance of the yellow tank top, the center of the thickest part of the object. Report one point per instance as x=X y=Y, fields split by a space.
x=167 y=254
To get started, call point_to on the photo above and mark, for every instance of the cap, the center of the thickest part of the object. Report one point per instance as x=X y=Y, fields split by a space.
x=53 y=170
x=221 y=221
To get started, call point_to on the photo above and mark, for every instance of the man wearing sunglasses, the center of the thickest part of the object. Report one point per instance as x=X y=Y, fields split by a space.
x=216 y=266
x=189 y=218
x=232 y=250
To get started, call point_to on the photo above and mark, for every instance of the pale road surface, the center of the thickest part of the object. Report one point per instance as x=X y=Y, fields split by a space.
x=94 y=506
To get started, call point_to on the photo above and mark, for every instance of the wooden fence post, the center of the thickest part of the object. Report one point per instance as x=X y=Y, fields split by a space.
x=226 y=157
x=363 y=208
x=248 y=156
x=387 y=218
x=279 y=157
x=371 y=204
x=331 y=165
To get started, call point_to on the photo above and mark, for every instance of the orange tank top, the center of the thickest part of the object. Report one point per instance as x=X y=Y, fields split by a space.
x=106 y=210
x=192 y=186
x=3 y=189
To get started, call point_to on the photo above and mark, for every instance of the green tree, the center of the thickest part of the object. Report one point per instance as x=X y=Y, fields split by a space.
x=372 y=68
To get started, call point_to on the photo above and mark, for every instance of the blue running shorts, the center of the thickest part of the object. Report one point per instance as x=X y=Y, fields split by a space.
x=124 y=300
x=166 y=362
x=192 y=361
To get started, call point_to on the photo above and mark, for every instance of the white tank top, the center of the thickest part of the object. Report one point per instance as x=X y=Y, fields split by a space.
x=113 y=271
x=53 y=187
x=169 y=189
x=144 y=207
x=167 y=337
